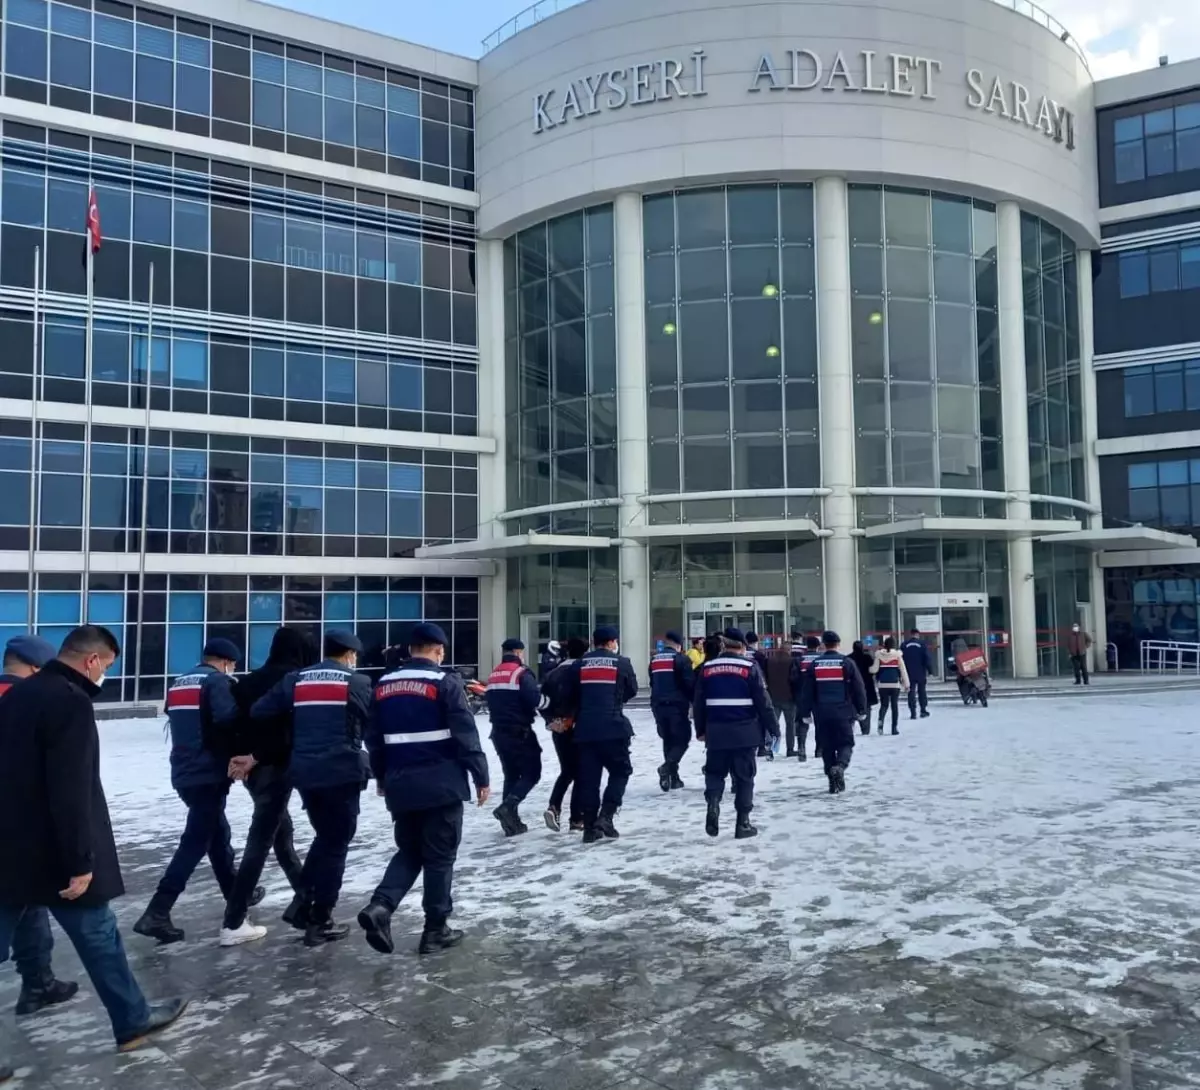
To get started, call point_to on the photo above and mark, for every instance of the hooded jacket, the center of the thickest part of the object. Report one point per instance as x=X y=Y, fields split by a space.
x=269 y=739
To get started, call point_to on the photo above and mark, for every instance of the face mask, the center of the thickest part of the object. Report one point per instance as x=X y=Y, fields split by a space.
x=100 y=680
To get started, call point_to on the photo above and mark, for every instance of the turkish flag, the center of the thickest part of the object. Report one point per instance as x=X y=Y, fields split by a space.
x=93 y=221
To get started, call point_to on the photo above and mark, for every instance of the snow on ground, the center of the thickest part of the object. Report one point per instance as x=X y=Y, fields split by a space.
x=1053 y=836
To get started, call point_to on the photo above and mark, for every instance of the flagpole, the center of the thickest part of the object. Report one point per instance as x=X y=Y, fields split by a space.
x=33 y=446
x=141 y=593
x=87 y=430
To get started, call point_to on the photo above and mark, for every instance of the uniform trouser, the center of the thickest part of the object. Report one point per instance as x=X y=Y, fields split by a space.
x=426 y=841
x=889 y=698
x=675 y=730
x=1079 y=665
x=595 y=758
x=568 y=772
x=333 y=814
x=836 y=740
x=271 y=826
x=32 y=945
x=739 y=765
x=788 y=709
x=916 y=692
x=521 y=759
x=206 y=832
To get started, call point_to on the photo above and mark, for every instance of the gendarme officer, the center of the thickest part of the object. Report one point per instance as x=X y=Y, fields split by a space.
x=201 y=713
x=329 y=704
x=512 y=699
x=834 y=694
x=733 y=717
x=672 y=679
x=423 y=744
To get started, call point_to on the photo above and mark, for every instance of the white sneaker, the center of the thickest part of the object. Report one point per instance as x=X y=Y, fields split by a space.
x=248 y=932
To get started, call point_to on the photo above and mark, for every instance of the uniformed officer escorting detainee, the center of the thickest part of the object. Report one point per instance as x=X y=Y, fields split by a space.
x=330 y=704
x=733 y=717
x=513 y=697
x=672 y=680
x=423 y=744
x=835 y=695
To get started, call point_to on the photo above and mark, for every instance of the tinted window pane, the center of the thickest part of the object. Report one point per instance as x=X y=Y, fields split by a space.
x=192 y=89
x=70 y=62
x=25 y=53
x=1134 y=274
x=114 y=72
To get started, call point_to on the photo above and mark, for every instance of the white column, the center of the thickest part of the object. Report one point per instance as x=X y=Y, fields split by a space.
x=1091 y=464
x=835 y=383
x=1014 y=432
x=632 y=451
x=493 y=590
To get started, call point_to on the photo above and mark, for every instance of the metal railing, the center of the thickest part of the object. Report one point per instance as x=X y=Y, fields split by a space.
x=1170 y=656
x=543 y=9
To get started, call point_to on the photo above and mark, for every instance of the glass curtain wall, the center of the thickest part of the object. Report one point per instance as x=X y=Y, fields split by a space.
x=1061 y=581
x=731 y=349
x=926 y=351
x=1050 y=277
x=577 y=589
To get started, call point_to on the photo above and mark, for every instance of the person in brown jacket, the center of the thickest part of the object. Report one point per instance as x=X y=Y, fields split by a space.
x=1078 y=643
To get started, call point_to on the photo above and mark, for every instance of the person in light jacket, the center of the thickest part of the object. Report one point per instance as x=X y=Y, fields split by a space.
x=891 y=676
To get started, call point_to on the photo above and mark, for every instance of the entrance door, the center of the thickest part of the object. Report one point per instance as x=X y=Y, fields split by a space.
x=928 y=621
x=966 y=624
x=535 y=633
x=769 y=627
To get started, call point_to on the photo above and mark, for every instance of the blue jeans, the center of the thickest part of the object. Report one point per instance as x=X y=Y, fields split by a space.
x=93 y=932
x=32 y=945
x=206 y=833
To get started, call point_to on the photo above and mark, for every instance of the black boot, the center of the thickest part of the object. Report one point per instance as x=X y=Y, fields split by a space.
x=257 y=896
x=376 y=921
x=924 y=713
x=895 y=730
x=605 y=824
x=6 y=1072
x=837 y=778
x=676 y=782
x=161 y=1015
x=763 y=751
x=155 y=922
x=592 y=833
x=832 y=782
x=438 y=938
x=744 y=830
x=790 y=753
x=802 y=755
x=664 y=777
x=712 y=821
x=38 y=995
x=296 y=914
x=321 y=928
x=510 y=820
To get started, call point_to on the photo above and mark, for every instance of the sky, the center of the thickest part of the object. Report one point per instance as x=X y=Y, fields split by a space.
x=1119 y=35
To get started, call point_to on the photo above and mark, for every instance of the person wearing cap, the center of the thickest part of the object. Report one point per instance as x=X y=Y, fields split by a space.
x=329 y=705
x=919 y=664
x=600 y=685
x=733 y=717
x=32 y=941
x=672 y=680
x=759 y=658
x=550 y=658
x=833 y=693
x=201 y=715
x=423 y=744
x=512 y=699
x=801 y=664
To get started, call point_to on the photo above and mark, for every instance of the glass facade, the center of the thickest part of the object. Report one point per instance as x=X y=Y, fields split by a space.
x=1150 y=603
x=134 y=62
x=926 y=352
x=1049 y=275
x=181 y=611
x=731 y=350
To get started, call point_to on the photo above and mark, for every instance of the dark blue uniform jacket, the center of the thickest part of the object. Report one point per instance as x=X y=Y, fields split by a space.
x=833 y=689
x=917 y=660
x=196 y=703
x=672 y=680
x=600 y=685
x=512 y=698
x=731 y=705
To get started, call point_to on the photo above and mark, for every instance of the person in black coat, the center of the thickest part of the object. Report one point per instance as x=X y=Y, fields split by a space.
x=863 y=659
x=919 y=664
x=56 y=840
x=263 y=765
x=559 y=713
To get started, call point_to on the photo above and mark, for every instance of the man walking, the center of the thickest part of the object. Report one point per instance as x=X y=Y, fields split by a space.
x=423 y=744
x=32 y=941
x=733 y=716
x=601 y=684
x=264 y=769
x=671 y=682
x=56 y=843
x=201 y=714
x=801 y=664
x=1078 y=643
x=329 y=704
x=512 y=699
x=918 y=662
x=780 y=663
x=834 y=694
x=558 y=709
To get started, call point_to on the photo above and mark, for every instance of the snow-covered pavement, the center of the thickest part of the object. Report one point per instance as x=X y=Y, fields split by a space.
x=1027 y=873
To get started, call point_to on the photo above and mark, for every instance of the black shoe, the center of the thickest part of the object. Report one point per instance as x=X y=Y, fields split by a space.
x=924 y=714
x=712 y=821
x=664 y=777
x=790 y=753
x=895 y=730
x=605 y=824
x=592 y=834
x=817 y=753
x=744 y=830
x=552 y=818
x=6 y=1072
x=439 y=938
x=802 y=755
x=320 y=932
x=157 y=925
x=510 y=820
x=161 y=1015
x=376 y=921
x=1078 y=682
x=296 y=914
x=837 y=777
x=38 y=997
x=913 y=715
x=676 y=782
x=832 y=783
x=257 y=896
